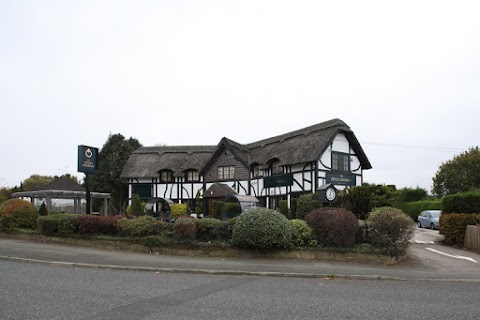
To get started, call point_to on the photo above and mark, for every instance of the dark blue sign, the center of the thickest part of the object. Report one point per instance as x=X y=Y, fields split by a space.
x=87 y=159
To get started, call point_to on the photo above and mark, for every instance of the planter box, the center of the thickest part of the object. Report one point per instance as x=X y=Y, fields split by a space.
x=472 y=238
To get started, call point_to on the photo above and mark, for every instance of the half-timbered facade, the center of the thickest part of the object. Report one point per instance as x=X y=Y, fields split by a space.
x=272 y=169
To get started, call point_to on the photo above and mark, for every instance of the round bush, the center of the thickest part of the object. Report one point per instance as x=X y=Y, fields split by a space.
x=17 y=213
x=333 y=226
x=302 y=234
x=178 y=209
x=390 y=229
x=262 y=228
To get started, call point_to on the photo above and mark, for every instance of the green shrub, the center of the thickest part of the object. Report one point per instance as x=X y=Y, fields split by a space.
x=139 y=227
x=224 y=231
x=262 y=228
x=198 y=203
x=293 y=207
x=208 y=229
x=302 y=234
x=137 y=208
x=413 y=209
x=184 y=229
x=453 y=226
x=306 y=203
x=391 y=230
x=465 y=202
x=283 y=208
x=217 y=208
x=49 y=225
x=362 y=199
x=43 y=210
x=178 y=209
x=333 y=226
x=17 y=213
x=67 y=224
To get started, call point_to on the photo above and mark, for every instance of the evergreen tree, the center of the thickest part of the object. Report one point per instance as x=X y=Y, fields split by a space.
x=111 y=160
x=43 y=210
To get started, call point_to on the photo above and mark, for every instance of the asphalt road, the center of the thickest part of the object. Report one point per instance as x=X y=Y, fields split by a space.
x=36 y=291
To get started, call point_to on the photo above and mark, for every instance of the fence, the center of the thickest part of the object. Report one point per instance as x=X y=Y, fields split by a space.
x=472 y=238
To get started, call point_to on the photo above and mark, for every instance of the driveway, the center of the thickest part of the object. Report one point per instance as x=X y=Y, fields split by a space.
x=427 y=248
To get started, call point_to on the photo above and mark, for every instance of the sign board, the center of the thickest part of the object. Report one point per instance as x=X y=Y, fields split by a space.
x=144 y=190
x=341 y=179
x=279 y=180
x=87 y=159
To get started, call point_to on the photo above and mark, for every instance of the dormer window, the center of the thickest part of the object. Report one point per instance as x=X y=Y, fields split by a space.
x=192 y=175
x=276 y=168
x=166 y=176
x=257 y=171
x=340 y=162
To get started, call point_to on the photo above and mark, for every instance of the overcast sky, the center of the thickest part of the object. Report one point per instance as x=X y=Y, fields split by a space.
x=404 y=75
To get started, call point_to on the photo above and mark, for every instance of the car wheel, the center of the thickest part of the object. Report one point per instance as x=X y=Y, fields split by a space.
x=432 y=226
x=419 y=224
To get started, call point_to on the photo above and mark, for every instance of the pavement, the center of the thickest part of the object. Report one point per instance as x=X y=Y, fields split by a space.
x=83 y=257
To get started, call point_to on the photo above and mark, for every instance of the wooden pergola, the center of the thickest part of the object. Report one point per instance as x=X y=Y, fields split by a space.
x=63 y=188
x=77 y=197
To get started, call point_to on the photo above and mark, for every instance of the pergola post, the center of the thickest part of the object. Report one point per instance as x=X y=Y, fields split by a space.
x=105 y=206
x=49 y=203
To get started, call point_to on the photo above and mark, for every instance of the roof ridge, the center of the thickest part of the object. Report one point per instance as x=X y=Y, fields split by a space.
x=304 y=131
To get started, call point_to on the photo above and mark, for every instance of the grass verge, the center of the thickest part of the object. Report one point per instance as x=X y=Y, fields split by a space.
x=360 y=254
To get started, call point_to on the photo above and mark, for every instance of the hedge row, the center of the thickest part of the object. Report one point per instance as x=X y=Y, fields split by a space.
x=413 y=209
x=184 y=228
x=453 y=225
x=465 y=202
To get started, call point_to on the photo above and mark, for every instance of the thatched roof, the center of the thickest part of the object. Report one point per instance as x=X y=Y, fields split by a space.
x=300 y=146
x=304 y=145
x=146 y=162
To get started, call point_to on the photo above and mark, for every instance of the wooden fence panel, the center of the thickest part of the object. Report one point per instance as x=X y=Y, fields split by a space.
x=472 y=238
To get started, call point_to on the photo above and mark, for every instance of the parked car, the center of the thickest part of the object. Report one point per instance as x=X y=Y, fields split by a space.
x=429 y=219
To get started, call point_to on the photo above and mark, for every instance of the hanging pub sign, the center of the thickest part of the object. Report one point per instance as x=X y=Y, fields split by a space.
x=279 y=180
x=87 y=159
x=342 y=179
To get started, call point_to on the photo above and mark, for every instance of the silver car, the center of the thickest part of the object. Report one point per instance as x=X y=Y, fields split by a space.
x=429 y=219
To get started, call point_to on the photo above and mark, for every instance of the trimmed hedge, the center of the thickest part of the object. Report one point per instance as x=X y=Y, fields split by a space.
x=185 y=229
x=50 y=225
x=453 y=226
x=139 y=227
x=17 y=213
x=262 y=228
x=465 y=202
x=413 y=209
x=209 y=229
